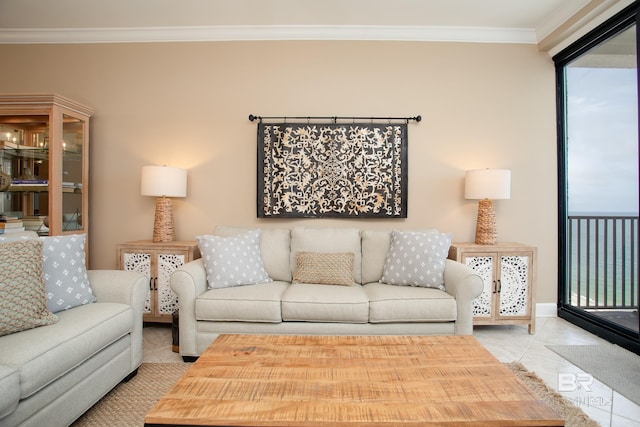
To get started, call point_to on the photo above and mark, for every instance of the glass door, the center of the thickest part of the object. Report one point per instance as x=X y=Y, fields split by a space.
x=598 y=181
x=72 y=173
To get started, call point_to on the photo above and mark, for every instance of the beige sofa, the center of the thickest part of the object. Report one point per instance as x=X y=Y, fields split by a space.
x=367 y=307
x=50 y=375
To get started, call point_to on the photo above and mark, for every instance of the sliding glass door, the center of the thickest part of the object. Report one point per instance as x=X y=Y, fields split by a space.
x=597 y=81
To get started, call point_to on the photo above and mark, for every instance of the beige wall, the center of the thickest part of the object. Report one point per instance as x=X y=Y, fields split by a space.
x=187 y=105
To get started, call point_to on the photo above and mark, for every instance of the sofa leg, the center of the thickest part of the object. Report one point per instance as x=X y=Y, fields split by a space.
x=189 y=359
x=130 y=376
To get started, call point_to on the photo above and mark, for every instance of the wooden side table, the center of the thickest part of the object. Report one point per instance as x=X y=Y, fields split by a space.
x=508 y=271
x=157 y=261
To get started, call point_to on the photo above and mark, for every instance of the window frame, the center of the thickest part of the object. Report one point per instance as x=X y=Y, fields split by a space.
x=620 y=22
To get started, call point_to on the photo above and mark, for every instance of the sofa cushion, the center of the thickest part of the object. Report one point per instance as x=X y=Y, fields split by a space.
x=22 y=289
x=42 y=355
x=234 y=260
x=327 y=240
x=274 y=247
x=251 y=303
x=9 y=389
x=324 y=268
x=65 y=273
x=308 y=302
x=416 y=259
x=375 y=246
x=401 y=304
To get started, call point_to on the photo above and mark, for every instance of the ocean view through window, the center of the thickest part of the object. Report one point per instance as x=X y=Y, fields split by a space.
x=598 y=179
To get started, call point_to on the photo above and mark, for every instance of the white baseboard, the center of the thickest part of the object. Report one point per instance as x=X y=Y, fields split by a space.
x=546 y=309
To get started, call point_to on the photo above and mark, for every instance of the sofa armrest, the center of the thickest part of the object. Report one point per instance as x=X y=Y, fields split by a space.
x=465 y=285
x=188 y=282
x=124 y=287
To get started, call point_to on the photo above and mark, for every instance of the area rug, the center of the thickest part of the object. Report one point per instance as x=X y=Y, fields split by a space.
x=128 y=403
x=572 y=415
x=610 y=364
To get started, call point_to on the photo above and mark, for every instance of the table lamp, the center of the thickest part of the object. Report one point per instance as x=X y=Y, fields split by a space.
x=163 y=182
x=487 y=185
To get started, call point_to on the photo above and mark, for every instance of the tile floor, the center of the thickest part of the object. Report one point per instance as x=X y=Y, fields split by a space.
x=507 y=344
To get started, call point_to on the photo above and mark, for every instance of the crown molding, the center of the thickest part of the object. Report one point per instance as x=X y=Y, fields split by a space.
x=266 y=32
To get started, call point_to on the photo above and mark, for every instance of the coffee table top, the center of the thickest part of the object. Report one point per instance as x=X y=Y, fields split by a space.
x=274 y=380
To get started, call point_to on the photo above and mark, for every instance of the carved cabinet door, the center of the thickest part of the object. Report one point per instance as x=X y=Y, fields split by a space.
x=166 y=299
x=514 y=288
x=157 y=261
x=140 y=262
x=485 y=266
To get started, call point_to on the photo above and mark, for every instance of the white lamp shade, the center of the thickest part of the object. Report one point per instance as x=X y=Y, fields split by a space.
x=163 y=181
x=492 y=184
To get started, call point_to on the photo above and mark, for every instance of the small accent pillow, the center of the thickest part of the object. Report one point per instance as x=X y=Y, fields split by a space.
x=324 y=268
x=65 y=272
x=22 y=289
x=416 y=259
x=234 y=260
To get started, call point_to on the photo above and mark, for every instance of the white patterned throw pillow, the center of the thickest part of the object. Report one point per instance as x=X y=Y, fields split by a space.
x=65 y=272
x=416 y=259
x=233 y=261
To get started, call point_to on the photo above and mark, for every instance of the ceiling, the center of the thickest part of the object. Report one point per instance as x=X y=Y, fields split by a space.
x=515 y=21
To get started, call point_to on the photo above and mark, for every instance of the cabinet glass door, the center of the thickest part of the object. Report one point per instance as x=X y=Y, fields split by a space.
x=25 y=165
x=72 y=173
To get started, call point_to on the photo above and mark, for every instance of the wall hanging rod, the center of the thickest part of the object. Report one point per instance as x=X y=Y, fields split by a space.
x=333 y=118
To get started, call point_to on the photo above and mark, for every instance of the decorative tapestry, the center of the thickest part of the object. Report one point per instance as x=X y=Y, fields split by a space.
x=332 y=170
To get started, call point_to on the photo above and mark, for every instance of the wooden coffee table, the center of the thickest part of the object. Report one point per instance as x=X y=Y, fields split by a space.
x=272 y=380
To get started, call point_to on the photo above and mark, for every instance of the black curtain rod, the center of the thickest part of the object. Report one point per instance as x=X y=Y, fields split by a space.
x=333 y=118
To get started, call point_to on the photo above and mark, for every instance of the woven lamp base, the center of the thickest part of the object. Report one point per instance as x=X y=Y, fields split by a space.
x=163 y=229
x=486 y=225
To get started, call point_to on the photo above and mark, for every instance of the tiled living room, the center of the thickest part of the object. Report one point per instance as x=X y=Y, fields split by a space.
x=96 y=98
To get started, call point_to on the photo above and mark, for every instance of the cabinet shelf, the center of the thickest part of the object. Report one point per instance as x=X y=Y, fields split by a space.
x=39 y=188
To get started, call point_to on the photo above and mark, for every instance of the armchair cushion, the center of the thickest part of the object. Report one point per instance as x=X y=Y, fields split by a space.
x=9 y=384
x=46 y=354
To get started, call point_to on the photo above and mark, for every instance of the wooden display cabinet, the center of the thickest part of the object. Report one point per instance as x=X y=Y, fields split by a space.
x=44 y=158
x=157 y=261
x=508 y=271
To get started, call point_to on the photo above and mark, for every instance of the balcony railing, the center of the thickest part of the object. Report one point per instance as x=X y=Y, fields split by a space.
x=603 y=262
